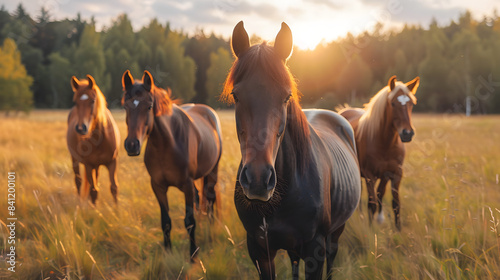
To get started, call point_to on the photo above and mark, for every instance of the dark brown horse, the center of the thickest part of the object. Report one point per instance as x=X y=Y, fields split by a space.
x=93 y=137
x=298 y=181
x=381 y=128
x=184 y=143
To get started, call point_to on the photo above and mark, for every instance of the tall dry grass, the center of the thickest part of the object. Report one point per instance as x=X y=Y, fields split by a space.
x=450 y=199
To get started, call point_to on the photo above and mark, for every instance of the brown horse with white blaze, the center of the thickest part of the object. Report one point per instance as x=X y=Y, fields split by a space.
x=184 y=143
x=381 y=128
x=92 y=137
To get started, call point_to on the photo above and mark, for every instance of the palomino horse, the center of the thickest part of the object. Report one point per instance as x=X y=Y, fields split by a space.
x=184 y=143
x=298 y=181
x=381 y=128
x=93 y=137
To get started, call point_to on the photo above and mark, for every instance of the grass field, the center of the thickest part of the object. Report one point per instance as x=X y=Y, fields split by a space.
x=450 y=198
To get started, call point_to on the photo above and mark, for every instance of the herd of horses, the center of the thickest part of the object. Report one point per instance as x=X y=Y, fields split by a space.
x=299 y=179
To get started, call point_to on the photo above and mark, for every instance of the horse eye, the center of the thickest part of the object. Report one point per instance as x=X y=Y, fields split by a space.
x=288 y=98
x=150 y=107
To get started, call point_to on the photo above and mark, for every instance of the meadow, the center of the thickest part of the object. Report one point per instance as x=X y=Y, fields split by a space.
x=450 y=197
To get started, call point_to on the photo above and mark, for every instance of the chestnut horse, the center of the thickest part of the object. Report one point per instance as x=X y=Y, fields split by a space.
x=298 y=181
x=381 y=128
x=93 y=137
x=184 y=143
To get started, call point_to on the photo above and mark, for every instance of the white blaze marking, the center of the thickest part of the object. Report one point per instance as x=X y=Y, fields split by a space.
x=84 y=97
x=136 y=102
x=403 y=99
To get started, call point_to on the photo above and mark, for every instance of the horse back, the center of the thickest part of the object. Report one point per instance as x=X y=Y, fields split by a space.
x=352 y=115
x=338 y=153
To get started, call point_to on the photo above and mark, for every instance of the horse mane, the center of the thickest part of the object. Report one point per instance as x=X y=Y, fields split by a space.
x=163 y=100
x=261 y=58
x=371 y=121
x=99 y=119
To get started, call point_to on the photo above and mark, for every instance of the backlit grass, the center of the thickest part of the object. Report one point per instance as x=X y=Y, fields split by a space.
x=450 y=197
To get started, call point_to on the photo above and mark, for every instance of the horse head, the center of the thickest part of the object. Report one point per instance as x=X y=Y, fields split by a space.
x=87 y=99
x=401 y=99
x=261 y=88
x=143 y=101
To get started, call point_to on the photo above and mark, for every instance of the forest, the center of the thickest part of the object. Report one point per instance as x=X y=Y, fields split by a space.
x=38 y=56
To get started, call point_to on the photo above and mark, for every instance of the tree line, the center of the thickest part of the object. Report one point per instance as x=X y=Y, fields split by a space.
x=39 y=55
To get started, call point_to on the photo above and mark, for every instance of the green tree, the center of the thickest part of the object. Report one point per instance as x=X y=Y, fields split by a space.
x=220 y=63
x=355 y=80
x=166 y=60
x=15 y=93
x=119 y=44
x=88 y=58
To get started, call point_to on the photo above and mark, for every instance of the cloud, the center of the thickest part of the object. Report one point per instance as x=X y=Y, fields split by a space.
x=416 y=11
x=328 y=3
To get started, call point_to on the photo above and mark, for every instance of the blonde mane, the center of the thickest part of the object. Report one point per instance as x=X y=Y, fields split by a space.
x=99 y=119
x=371 y=121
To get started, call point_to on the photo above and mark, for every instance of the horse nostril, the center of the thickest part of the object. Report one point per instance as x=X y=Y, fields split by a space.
x=132 y=146
x=81 y=130
x=84 y=129
x=271 y=181
x=245 y=178
x=408 y=132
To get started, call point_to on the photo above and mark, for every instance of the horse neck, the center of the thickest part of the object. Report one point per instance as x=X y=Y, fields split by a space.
x=387 y=134
x=166 y=129
x=292 y=158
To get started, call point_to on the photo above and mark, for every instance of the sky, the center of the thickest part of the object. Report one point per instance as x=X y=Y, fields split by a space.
x=311 y=21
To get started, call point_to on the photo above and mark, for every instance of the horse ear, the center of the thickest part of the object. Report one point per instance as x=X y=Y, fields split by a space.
x=413 y=85
x=239 y=41
x=392 y=82
x=284 y=42
x=147 y=80
x=74 y=83
x=127 y=80
x=91 y=81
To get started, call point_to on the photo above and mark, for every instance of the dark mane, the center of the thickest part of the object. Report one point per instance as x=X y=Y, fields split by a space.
x=262 y=58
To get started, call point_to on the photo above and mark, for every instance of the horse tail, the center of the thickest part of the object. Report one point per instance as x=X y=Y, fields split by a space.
x=341 y=107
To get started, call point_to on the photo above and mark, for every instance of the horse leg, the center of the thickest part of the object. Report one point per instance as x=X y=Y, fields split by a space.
x=92 y=181
x=189 y=221
x=315 y=254
x=113 y=178
x=209 y=191
x=372 y=199
x=380 y=195
x=395 y=199
x=332 y=249
x=295 y=259
x=261 y=258
x=166 y=223
x=78 y=178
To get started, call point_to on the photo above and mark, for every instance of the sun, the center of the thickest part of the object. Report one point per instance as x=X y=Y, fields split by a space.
x=307 y=35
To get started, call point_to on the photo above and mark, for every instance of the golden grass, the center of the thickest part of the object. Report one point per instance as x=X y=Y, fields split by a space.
x=450 y=199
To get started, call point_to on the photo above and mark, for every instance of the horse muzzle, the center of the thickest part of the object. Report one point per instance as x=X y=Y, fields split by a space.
x=406 y=135
x=258 y=183
x=133 y=147
x=81 y=129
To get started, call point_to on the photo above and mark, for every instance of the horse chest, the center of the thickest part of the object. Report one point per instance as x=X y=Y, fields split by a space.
x=165 y=166
x=286 y=228
x=382 y=163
